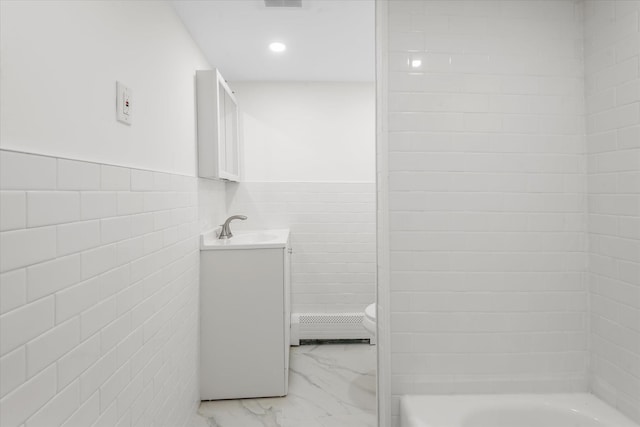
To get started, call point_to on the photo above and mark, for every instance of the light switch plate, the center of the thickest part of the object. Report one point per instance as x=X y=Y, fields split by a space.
x=123 y=103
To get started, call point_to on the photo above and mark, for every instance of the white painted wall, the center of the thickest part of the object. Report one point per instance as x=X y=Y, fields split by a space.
x=60 y=62
x=612 y=49
x=307 y=132
x=486 y=197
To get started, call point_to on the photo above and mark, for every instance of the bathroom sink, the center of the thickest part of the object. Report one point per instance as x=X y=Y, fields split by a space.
x=258 y=239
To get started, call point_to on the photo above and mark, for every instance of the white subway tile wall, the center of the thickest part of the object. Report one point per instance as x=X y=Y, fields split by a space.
x=333 y=237
x=99 y=290
x=612 y=49
x=486 y=197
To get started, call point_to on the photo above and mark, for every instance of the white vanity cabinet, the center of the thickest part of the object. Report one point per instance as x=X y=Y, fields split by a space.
x=218 y=153
x=244 y=319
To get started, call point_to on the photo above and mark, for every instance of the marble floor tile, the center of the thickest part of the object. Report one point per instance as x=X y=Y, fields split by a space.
x=330 y=385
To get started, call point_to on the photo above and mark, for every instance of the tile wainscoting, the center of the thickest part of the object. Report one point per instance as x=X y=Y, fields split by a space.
x=99 y=290
x=332 y=234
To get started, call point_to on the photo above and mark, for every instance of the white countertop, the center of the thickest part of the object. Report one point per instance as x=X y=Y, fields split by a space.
x=255 y=239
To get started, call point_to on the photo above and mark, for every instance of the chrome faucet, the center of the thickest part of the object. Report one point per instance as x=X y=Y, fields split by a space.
x=226 y=233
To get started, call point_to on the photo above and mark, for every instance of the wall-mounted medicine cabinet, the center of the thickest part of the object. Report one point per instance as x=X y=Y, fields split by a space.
x=217 y=127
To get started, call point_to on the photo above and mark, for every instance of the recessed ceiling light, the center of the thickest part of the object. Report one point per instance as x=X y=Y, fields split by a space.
x=416 y=63
x=277 y=47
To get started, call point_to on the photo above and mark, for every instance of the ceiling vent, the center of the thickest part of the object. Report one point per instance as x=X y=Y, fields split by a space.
x=283 y=3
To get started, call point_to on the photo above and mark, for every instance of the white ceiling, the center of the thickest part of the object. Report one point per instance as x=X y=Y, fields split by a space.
x=327 y=40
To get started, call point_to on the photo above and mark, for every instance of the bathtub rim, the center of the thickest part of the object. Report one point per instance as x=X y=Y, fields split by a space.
x=445 y=410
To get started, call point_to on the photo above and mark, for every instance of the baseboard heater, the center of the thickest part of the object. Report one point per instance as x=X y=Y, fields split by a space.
x=328 y=326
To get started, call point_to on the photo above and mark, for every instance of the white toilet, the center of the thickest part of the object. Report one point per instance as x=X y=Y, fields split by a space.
x=369 y=321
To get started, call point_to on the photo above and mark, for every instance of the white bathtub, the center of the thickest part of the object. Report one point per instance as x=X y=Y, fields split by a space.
x=517 y=410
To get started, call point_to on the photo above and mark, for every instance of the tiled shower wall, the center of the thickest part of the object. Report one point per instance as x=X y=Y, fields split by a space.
x=612 y=48
x=332 y=235
x=486 y=197
x=99 y=293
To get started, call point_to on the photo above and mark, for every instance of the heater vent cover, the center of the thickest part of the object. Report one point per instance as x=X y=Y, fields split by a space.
x=327 y=326
x=330 y=318
x=283 y=3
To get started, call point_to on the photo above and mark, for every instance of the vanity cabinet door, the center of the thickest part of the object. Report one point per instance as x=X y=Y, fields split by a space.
x=244 y=347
